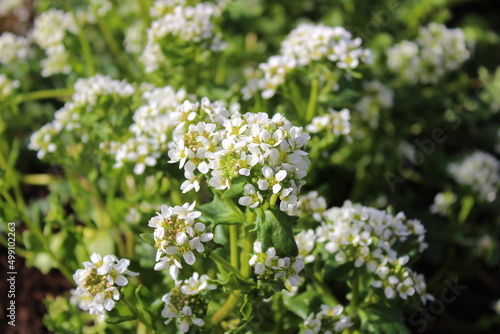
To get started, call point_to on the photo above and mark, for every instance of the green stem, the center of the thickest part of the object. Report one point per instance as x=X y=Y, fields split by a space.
x=323 y=289
x=46 y=94
x=233 y=239
x=137 y=314
x=226 y=265
x=355 y=295
x=245 y=254
x=113 y=46
x=39 y=179
x=87 y=53
x=144 y=9
x=226 y=309
x=313 y=99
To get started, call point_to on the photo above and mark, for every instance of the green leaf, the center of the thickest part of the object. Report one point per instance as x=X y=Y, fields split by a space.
x=145 y=302
x=303 y=304
x=236 y=188
x=148 y=238
x=221 y=212
x=275 y=229
x=233 y=282
x=382 y=319
x=119 y=314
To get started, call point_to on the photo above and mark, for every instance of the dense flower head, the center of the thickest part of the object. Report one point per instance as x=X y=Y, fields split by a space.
x=187 y=303
x=328 y=321
x=437 y=50
x=193 y=24
x=223 y=146
x=100 y=282
x=87 y=93
x=305 y=44
x=337 y=122
x=268 y=266
x=479 y=171
x=14 y=48
x=367 y=237
x=150 y=131
x=177 y=234
x=376 y=96
x=49 y=30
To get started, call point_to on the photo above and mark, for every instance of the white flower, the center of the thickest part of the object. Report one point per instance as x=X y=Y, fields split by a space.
x=305 y=44
x=222 y=146
x=186 y=302
x=328 y=320
x=177 y=233
x=99 y=283
x=480 y=171
x=437 y=50
x=14 y=48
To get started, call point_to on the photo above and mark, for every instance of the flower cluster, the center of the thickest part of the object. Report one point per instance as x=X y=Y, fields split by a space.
x=376 y=96
x=306 y=240
x=178 y=234
x=49 y=31
x=100 y=282
x=186 y=302
x=68 y=118
x=306 y=44
x=442 y=203
x=311 y=205
x=480 y=171
x=328 y=320
x=437 y=50
x=187 y=23
x=13 y=48
x=266 y=153
x=152 y=122
x=7 y=86
x=367 y=237
x=336 y=122
x=268 y=266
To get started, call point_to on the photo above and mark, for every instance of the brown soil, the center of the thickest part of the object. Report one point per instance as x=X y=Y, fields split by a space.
x=31 y=289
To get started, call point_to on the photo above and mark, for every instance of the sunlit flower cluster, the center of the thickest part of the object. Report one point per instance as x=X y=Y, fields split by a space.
x=150 y=131
x=49 y=32
x=306 y=44
x=442 y=203
x=311 y=205
x=7 y=86
x=376 y=96
x=479 y=171
x=367 y=237
x=67 y=119
x=98 y=285
x=328 y=320
x=177 y=235
x=336 y=122
x=437 y=50
x=14 y=48
x=268 y=266
x=181 y=21
x=263 y=152
x=187 y=303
